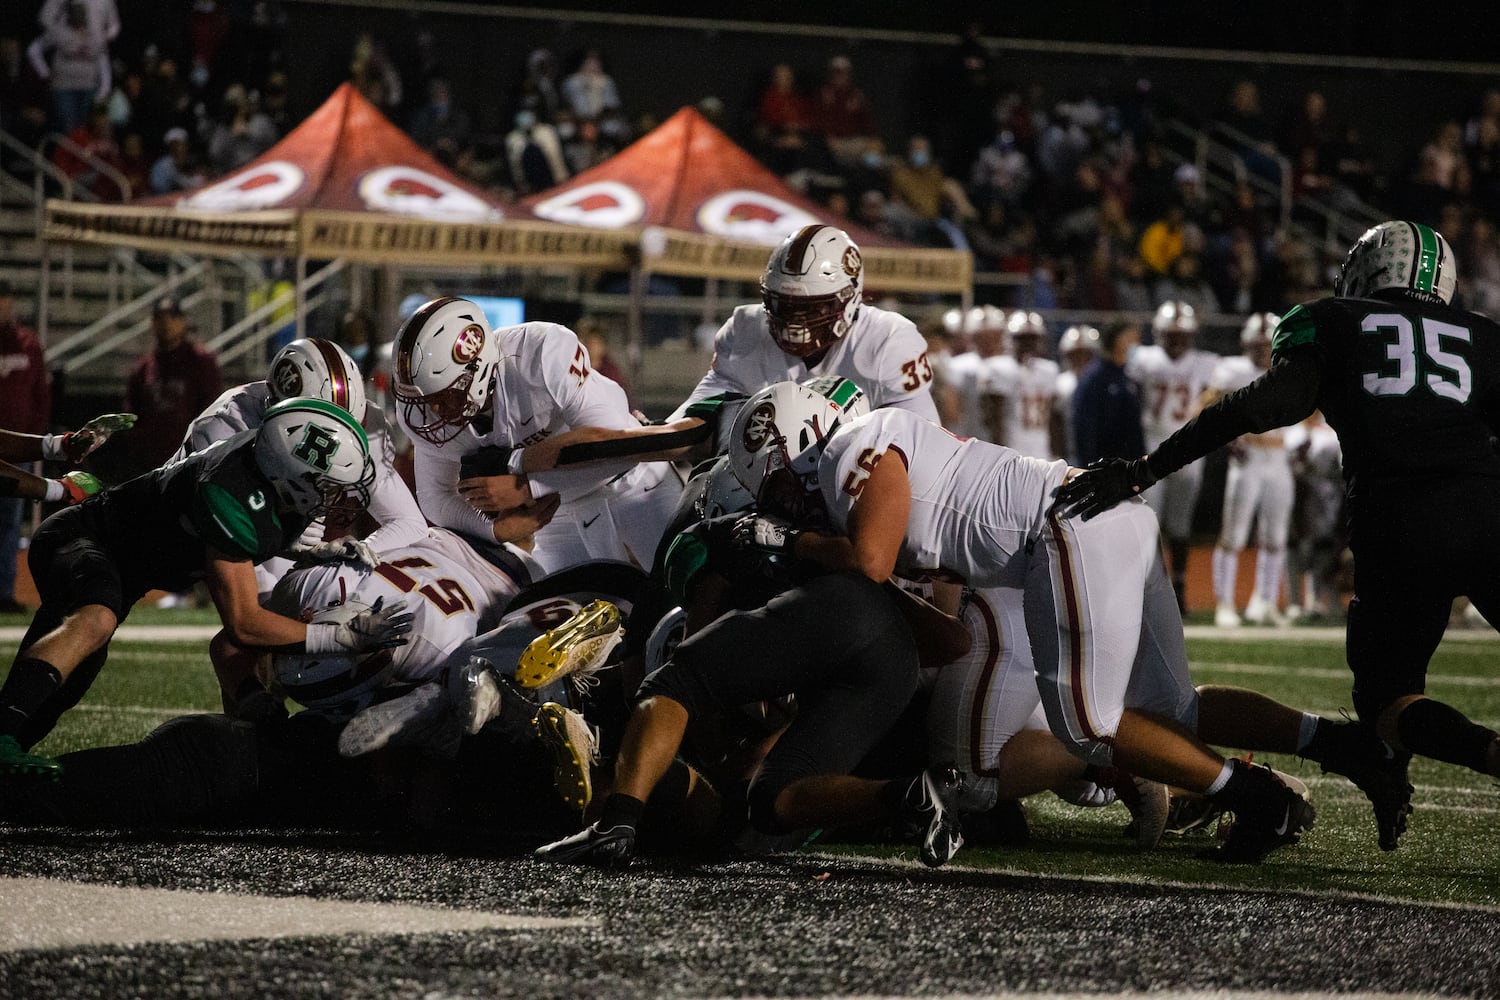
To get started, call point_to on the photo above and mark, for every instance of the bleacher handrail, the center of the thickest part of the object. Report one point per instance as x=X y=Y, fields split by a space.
x=73 y=149
x=257 y=326
x=97 y=342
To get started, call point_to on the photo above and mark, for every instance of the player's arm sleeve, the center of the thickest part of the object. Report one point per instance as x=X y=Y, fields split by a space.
x=436 y=475
x=1282 y=396
x=395 y=510
x=587 y=400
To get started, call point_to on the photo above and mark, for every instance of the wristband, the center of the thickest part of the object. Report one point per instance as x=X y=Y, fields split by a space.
x=321 y=639
x=55 y=491
x=53 y=448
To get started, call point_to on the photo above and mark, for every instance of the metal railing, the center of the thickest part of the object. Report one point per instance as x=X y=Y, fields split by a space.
x=265 y=321
x=123 y=324
x=89 y=160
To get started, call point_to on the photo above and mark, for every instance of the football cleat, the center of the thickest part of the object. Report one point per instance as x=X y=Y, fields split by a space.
x=1262 y=612
x=574 y=746
x=1278 y=820
x=1190 y=811
x=578 y=647
x=416 y=718
x=932 y=805
x=18 y=763
x=612 y=848
x=474 y=690
x=1226 y=617
x=1149 y=803
x=1381 y=773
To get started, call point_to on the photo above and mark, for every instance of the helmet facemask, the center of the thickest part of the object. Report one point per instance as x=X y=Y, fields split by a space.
x=803 y=325
x=439 y=417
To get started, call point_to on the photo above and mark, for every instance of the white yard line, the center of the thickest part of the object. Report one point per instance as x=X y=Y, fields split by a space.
x=1153 y=995
x=46 y=913
x=139 y=633
x=1276 y=669
x=1334 y=633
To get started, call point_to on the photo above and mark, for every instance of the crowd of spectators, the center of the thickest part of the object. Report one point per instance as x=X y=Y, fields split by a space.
x=1079 y=199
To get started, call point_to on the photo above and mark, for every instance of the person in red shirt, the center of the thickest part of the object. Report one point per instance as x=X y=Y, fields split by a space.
x=168 y=388
x=843 y=112
x=25 y=406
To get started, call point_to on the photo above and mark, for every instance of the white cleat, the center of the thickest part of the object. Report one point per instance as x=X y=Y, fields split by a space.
x=1226 y=617
x=574 y=746
x=1262 y=612
x=417 y=717
x=577 y=648
x=475 y=694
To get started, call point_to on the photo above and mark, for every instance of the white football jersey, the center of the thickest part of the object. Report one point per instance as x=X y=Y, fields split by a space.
x=1029 y=389
x=969 y=374
x=544 y=385
x=1062 y=405
x=1236 y=372
x=975 y=506
x=392 y=506
x=882 y=352
x=453 y=592
x=1170 y=390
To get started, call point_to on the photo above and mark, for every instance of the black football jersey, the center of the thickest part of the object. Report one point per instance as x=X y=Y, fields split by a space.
x=1411 y=388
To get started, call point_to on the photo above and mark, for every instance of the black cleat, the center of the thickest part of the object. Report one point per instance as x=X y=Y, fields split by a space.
x=932 y=805
x=612 y=848
x=1277 y=820
x=1348 y=749
x=18 y=763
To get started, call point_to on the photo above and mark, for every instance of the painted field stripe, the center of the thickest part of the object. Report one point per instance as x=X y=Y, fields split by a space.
x=169 y=711
x=46 y=913
x=1249 y=633
x=1275 y=669
x=139 y=633
x=913 y=865
x=1153 y=995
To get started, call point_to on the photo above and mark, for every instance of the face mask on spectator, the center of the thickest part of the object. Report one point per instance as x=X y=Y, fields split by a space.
x=525 y=120
x=872 y=160
x=566 y=130
x=920 y=159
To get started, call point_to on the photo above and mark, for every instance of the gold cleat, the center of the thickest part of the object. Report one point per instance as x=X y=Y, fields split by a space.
x=577 y=647
x=574 y=746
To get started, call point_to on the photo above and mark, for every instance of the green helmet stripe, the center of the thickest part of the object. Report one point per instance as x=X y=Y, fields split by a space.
x=1425 y=265
x=327 y=409
x=843 y=392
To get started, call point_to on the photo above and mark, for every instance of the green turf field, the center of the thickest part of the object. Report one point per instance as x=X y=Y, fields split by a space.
x=1450 y=853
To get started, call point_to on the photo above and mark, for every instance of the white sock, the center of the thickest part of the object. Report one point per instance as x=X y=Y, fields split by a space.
x=1306 y=729
x=1226 y=568
x=1268 y=569
x=1221 y=780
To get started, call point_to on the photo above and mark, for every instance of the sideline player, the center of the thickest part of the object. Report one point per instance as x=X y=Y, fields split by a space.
x=811 y=321
x=1025 y=384
x=1079 y=345
x=211 y=516
x=1412 y=386
x=1173 y=374
x=465 y=392
x=1105 y=636
x=1258 y=487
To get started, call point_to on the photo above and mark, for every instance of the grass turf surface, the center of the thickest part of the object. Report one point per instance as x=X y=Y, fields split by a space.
x=1449 y=854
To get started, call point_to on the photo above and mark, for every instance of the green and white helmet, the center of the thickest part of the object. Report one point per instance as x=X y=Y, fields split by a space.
x=779 y=435
x=1404 y=257
x=316 y=455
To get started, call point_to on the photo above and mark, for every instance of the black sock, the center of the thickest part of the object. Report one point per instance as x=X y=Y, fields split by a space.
x=1338 y=742
x=28 y=686
x=1247 y=790
x=621 y=810
x=1442 y=732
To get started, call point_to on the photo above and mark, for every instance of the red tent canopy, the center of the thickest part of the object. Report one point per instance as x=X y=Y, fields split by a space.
x=706 y=207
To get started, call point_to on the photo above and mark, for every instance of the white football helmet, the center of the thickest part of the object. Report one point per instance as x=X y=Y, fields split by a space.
x=986 y=329
x=812 y=288
x=724 y=493
x=316 y=456
x=1405 y=258
x=1258 y=328
x=1078 y=340
x=338 y=683
x=446 y=360
x=1174 y=327
x=1026 y=332
x=320 y=368
x=779 y=436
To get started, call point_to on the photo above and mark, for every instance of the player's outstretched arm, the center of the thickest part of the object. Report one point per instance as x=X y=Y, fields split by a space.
x=588 y=445
x=72 y=446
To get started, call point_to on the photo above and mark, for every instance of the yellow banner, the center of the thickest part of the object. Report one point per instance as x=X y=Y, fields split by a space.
x=886 y=268
x=394 y=239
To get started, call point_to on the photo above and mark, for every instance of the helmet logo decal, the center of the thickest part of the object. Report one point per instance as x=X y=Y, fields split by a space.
x=317 y=447
x=760 y=425
x=851 y=261
x=468 y=344
x=286 y=379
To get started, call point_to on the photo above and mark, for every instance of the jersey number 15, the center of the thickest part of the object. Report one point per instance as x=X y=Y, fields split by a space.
x=1416 y=351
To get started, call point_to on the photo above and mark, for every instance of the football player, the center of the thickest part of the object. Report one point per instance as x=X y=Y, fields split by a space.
x=1079 y=345
x=1105 y=635
x=1412 y=386
x=321 y=369
x=1024 y=384
x=72 y=446
x=983 y=330
x=812 y=321
x=211 y=516
x=1173 y=374
x=470 y=397
x=1258 y=487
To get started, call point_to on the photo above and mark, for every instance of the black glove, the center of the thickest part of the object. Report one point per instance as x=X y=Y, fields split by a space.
x=1101 y=485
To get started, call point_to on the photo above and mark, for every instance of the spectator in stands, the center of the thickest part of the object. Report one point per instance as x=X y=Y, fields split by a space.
x=1107 y=403
x=167 y=388
x=1185 y=283
x=1133 y=284
x=241 y=134
x=590 y=92
x=97 y=158
x=208 y=26
x=375 y=76
x=25 y=407
x=783 y=122
x=1162 y=242
x=585 y=149
x=1001 y=171
x=164 y=100
x=538 y=92
x=1308 y=126
x=591 y=334
x=441 y=125
x=176 y=169
x=101 y=13
x=873 y=212
x=72 y=55
x=1151 y=182
x=930 y=196
x=355 y=337
x=1242 y=126
x=843 y=113
x=1200 y=214
x=134 y=165
x=274 y=103
x=1065 y=139
x=535 y=155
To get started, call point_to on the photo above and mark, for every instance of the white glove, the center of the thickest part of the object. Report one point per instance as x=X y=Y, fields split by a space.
x=347 y=549
x=378 y=628
x=762 y=531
